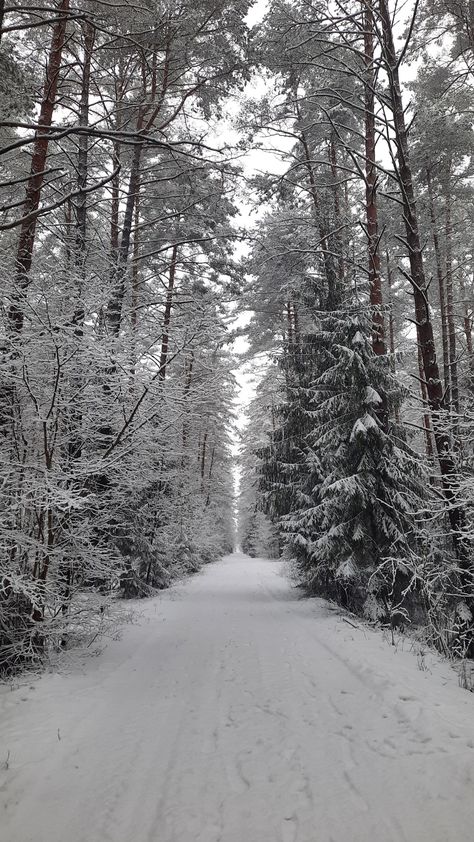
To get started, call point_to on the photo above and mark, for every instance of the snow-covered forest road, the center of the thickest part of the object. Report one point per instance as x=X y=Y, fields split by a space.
x=237 y=712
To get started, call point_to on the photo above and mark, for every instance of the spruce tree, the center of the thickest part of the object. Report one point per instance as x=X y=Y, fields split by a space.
x=354 y=531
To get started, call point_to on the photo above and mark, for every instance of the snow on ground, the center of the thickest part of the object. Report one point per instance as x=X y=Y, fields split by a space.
x=237 y=712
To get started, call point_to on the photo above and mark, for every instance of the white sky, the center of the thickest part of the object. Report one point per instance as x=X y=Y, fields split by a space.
x=257 y=12
x=253 y=162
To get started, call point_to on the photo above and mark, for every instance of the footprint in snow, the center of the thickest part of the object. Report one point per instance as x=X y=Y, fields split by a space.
x=289 y=829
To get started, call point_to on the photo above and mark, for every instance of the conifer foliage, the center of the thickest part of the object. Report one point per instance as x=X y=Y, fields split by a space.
x=364 y=472
x=357 y=500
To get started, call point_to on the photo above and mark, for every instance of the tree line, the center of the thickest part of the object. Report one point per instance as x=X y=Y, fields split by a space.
x=120 y=191
x=362 y=283
x=116 y=242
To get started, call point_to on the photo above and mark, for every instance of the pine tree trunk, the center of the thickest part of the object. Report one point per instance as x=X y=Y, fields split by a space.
x=391 y=329
x=114 y=307
x=467 y=322
x=328 y=262
x=165 y=336
x=188 y=376
x=375 y=280
x=135 y=269
x=75 y=439
x=289 y=322
x=296 y=324
x=143 y=126
x=391 y=320
x=337 y=211
x=453 y=363
x=203 y=459
x=434 y=387
x=209 y=476
x=38 y=163
x=135 y=291
x=426 y=414
x=83 y=160
x=441 y=284
x=116 y=156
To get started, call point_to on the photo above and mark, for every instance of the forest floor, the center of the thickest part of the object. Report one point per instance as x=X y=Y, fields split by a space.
x=235 y=711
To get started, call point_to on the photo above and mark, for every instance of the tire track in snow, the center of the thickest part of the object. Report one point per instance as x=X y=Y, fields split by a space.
x=237 y=712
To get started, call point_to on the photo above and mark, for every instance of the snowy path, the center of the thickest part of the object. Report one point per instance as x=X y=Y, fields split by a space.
x=236 y=712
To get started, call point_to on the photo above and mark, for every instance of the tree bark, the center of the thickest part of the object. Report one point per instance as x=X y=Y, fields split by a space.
x=467 y=322
x=143 y=126
x=135 y=270
x=375 y=280
x=391 y=320
x=328 y=262
x=453 y=362
x=209 y=476
x=83 y=153
x=391 y=329
x=165 y=337
x=2 y=15
x=114 y=307
x=289 y=322
x=337 y=211
x=426 y=414
x=188 y=376
x=80 y=247
x=203 y=459
x=441 y=282
x=38 y=161
x=424 y=324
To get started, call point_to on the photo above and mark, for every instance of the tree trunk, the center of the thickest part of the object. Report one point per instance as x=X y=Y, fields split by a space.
x=165 y=336
x=391 y=320
x=296 y=323
x=375 y=280
x=424 y=326
x=337 y=212
x=2 y=15
x=209 y=476
x=80 y=247
x=328 y=261
x=289 y=322
x=83 y=159
x=426 y=414
x=467 y=322
x=188 y=376
x=453 y=362
x=143 y=126
x=391 y=329
x=203 y=459
x=38 y=161
x=135 y=270
x=114 y=307
x=441 y=285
